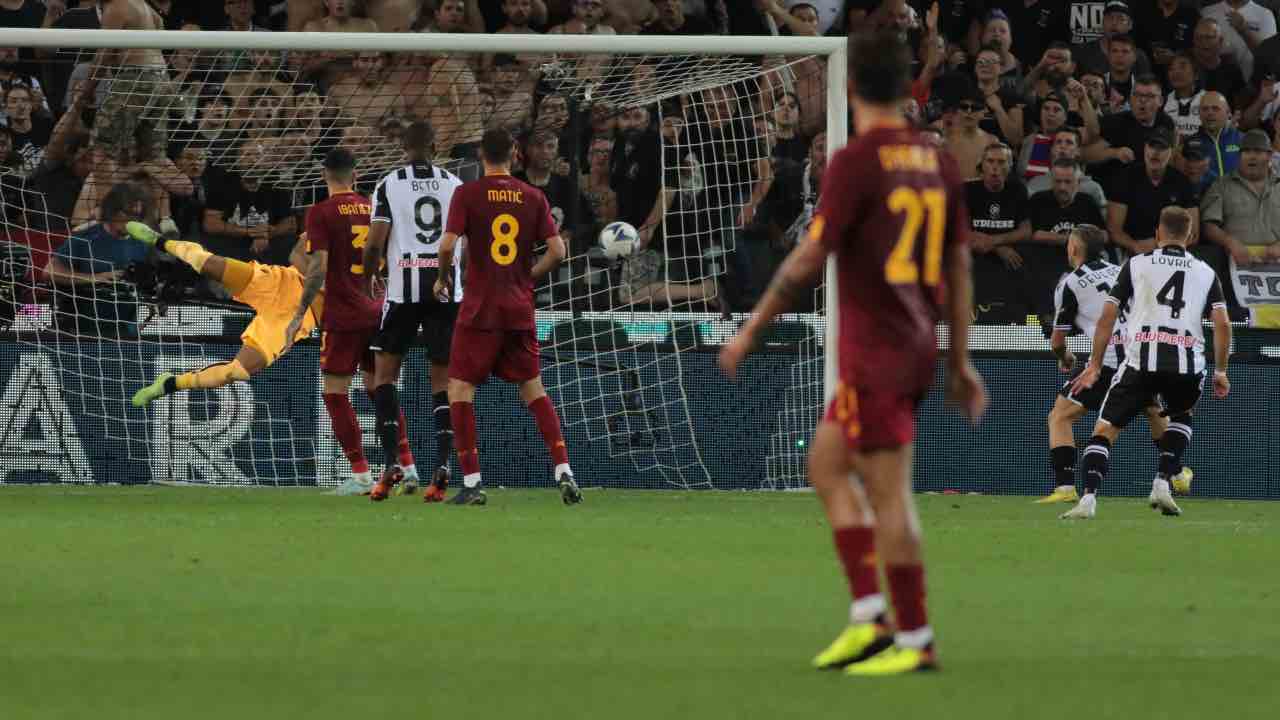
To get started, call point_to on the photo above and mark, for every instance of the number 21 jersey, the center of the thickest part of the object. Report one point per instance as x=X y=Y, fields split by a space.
x=891 y=205
x=503 y=220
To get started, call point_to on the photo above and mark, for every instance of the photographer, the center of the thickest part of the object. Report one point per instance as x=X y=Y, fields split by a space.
x=85 y=270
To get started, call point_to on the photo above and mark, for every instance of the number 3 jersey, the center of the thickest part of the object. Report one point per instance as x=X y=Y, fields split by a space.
x=1167 y=292
x=1078 y=302
x=415 y=201
x=503 y=220
x=890 y=208
x=339 y=226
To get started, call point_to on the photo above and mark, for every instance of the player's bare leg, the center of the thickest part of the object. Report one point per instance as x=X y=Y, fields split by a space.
x=544 y=414
x=462 y=414
x=886 y=475
x=853 y=528
x=392 y=427
x=342 y=417
x=1062 y=450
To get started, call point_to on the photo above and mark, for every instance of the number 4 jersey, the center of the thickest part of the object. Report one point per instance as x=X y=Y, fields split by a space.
x=1167 y=292
x=339 y=226
x=891 y=205
x=503 y=220
x=415 y=201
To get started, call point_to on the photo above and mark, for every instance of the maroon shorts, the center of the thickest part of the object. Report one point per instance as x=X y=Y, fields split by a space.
x=477 y=353
x=873 y=419
x=342 y=351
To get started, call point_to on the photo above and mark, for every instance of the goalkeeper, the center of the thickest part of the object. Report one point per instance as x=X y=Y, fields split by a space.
x=273 y=291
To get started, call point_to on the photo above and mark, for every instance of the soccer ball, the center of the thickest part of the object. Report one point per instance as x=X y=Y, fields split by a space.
x=618 y=240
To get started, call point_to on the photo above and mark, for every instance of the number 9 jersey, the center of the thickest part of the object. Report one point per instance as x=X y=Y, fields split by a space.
x=503 y=220
x=415 y=201
x=891 y=206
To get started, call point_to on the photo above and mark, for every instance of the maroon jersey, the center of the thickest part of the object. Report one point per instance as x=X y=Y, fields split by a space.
x=891 y=206
x=340 y=225
x=503 y=219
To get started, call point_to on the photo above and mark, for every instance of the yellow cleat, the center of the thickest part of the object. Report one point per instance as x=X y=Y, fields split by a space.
x=858 y=641
x=1181 y=483
x=895 y=660
x=1060 y=494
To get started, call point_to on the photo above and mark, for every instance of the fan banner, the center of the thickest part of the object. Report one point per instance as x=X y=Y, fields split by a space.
x=1256 y=285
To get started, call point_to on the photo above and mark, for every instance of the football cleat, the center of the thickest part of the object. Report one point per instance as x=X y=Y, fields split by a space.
x=352 y=486
x=569 y=492
x=409 y=486
x=469 y=496
x=151 y=392
x=1060 y=494
x=141 y=232
x=895 y=660
x=435 y=489
x=1161 y=499
x=381 y=489
x=1182 y=481
x=1084 y=510
x=855 y=643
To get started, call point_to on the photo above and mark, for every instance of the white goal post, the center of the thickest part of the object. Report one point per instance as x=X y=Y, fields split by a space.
x=608 y=396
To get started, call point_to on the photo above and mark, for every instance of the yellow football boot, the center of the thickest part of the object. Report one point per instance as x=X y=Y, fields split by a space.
x=856 y=642
x=1060 y=494
x=894 y=660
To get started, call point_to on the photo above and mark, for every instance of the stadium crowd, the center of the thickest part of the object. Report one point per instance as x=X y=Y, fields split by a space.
x=1059 y=112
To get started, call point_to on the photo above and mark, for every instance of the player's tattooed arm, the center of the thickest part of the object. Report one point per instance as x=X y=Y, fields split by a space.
x=311 y=285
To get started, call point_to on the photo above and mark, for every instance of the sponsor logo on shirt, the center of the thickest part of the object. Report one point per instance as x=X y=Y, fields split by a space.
x=1166 y=338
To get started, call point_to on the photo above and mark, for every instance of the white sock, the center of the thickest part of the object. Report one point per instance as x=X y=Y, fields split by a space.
x=364 y=478
x=1160 y=484
x=563 y=469
x=472 y=480
x=410 y=471
x=867 y=609
x=918 y=638
x=1066 y=488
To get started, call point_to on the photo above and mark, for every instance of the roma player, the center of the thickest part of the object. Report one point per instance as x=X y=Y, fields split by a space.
x=892 y=213
x=503 y=220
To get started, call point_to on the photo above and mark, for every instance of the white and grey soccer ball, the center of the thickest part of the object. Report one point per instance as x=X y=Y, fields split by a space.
x=618 y=240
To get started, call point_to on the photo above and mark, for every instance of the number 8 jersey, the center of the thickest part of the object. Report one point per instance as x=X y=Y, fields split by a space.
x=1167 y=292
x=415 y=200
x=503 y=220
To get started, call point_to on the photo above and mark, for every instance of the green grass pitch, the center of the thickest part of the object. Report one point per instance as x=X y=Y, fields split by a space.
x=171 y=603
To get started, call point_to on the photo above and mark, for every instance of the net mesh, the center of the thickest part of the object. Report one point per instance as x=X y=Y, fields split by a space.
x=675 y=145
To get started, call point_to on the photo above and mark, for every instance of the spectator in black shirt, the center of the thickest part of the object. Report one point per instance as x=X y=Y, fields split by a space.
x=571 y=211
x=1125 y=133
x=789 y=149
x=1143 y=190
x=1054 y=214
x=1164 y=29
x=673 y=21
x=635 y=171
x=1035 y=24
x=1117 y=20
x=247 y=219
x=1216 y=72
x=998 y=218
x=1005 y=105
x=31 y=132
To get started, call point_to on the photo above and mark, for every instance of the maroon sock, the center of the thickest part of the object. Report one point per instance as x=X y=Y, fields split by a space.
x=857 y=549
x=463 y=417
x=406 y=454
x=906 y=583
x=544 y=414
x=342 y=415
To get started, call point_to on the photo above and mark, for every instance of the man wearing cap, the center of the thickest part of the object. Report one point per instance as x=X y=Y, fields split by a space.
x=1034 y=159
x=1066 y=145
x=1142 y=191
x=1220 y=139
x=1245 y=24
x=1242 y=209
x=1195 y=163
x=1117 y=20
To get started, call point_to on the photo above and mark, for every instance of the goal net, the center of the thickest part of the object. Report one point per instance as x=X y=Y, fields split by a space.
x=706 y=145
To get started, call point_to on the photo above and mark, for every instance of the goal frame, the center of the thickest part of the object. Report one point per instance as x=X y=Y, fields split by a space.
x=833 y=50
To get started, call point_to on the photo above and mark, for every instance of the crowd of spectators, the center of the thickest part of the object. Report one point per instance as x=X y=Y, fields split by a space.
x=1058 y=112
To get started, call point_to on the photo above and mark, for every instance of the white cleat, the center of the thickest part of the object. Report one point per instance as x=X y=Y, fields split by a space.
x=1161 y=499
x=353 y=486
x=1084 y=510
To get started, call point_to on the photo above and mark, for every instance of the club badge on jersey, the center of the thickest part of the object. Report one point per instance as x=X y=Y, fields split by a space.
x=415 y=201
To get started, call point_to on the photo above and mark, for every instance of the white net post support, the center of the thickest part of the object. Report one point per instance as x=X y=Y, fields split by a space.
x=613 y=384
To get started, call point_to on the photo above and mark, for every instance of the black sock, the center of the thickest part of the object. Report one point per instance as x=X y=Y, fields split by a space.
x=386 y=399
x=1094 y=463
x=171 y=385
x=160 y=241
x=1063 y=461
x=444 y=429
x=1172 y=445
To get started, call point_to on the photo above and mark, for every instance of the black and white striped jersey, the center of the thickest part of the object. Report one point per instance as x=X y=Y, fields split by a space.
x=414 y=200
x=1078 y=302
x=1167 y=292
